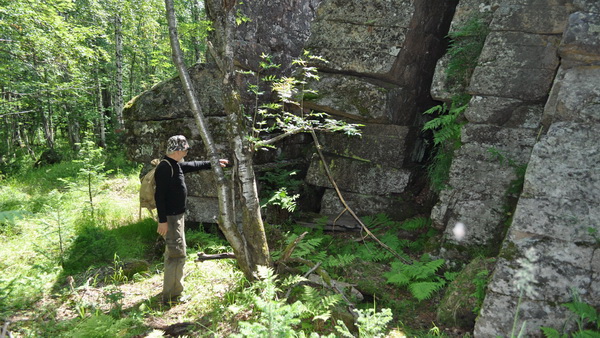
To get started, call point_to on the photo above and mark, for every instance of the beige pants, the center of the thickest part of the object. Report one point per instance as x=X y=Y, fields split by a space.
x=174 y=258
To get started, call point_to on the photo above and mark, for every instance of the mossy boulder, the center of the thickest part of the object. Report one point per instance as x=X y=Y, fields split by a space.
x=465 y=294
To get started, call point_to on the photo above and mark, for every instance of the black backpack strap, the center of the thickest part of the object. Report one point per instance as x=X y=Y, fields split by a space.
x=169 y=163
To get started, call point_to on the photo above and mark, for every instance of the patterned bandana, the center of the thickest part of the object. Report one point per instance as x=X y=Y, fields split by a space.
x=177 y=143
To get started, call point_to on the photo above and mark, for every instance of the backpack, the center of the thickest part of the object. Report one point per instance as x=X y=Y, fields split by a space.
x=148 y=187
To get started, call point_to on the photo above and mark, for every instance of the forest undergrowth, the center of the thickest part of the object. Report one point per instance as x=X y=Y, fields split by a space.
x=77 y=262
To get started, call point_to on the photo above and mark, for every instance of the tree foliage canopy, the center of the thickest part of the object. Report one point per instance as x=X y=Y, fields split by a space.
x=58 y=66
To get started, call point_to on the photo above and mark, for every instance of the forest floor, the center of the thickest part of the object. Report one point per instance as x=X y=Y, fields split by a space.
x=38 y=300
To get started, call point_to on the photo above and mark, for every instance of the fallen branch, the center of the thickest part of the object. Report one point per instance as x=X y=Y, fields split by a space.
x=287 y=253
x=5 y=332
x=206 y=257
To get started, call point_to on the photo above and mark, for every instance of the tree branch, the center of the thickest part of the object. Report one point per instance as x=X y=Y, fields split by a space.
x=205 y=257
x=278 y=137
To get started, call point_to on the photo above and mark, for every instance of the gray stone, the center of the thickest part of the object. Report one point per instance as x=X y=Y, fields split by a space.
x=507 y=112
x=166 y=100
x=557 y=218
x=542 y=18
x=202 y=209
x=382 y=144
x=518 y=65
x=146 y=140
x=575 y=96
x=468 y=9
x=581 y=40
x=360 y=36
x=513 y=82
x=439 y=85
x=201 y=184
x=513 y=144
x=356 y=96
x=590 y=6
x=359 y=176
x=364 y=205
x=503 y=308
x=520 y=50
x=481 y=221
x=480 y=171
x=566 y=164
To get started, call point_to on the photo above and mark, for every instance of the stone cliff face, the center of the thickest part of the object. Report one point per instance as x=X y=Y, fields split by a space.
x=557 y=218
x=533 y=119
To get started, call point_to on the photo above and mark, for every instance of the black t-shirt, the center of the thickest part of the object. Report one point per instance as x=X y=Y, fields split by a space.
x=171 y=191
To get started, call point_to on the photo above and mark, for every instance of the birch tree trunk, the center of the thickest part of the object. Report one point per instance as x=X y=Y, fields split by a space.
x=249 y=243
x=119 y=72
x=101 y=112
x=252 y=224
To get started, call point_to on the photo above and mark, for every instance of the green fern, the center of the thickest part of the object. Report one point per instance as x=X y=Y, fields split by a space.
x=586 y=317
x=424 y=290
x=446 y=129
x=465 y=47
x=416 y=223
x=318 y=305
x=420 y=277
x=339 y=260
x=377 y=221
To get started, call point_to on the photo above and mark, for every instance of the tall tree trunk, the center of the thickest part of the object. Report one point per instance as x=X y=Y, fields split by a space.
x=101 y=113
x=249 y=245
x=46 y=118
x=252 y=224
x=72 y=129
x=119 y=72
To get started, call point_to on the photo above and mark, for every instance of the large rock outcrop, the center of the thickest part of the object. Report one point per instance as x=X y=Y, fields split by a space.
x=532 y=120
x=534 y=106
x=381 y=57
x=557 y=219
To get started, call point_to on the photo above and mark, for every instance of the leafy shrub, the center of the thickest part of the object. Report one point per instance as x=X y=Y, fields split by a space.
x=274 y=316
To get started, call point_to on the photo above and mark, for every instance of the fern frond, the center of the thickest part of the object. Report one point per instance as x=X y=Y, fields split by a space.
x=340 y=261
x=424 y=290
x=416 y=223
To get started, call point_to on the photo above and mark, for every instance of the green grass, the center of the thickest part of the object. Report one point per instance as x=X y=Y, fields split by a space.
x=50 y=238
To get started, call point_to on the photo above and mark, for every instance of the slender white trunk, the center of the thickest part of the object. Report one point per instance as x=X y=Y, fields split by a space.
x=119 y=73
x=242 y=247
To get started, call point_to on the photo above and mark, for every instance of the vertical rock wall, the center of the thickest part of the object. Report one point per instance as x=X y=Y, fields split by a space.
x=534 y=106
x=509 y=86
x=557 y=220
x=381 y=57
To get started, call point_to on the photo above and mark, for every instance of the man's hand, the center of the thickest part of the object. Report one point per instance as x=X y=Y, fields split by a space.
x=162 y=229
x=223 y=163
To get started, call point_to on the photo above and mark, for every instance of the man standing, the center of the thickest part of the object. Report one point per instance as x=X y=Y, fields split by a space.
x=171 y=196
